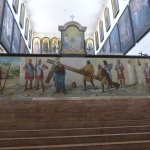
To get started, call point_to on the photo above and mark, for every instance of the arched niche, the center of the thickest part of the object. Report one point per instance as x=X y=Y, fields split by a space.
x=22 y=15
x=36 y=45
x=45 y=45
x=96 y=40
x=15 y=5
x=30 y=38
x=90 y=46
x=54 y=46
x=26 y=31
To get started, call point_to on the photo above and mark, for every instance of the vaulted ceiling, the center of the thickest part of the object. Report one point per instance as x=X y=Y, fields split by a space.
x=47 y=15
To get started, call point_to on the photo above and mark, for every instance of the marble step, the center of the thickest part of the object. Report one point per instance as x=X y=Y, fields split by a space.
x=67 y=125
x=62 y=140
x=73 y=131
x=125 y=145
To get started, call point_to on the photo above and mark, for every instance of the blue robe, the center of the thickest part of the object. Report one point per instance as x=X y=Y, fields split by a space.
x=59 y=78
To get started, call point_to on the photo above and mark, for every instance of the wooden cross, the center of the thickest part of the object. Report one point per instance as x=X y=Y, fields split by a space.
x=71 y=69
x=50 y=74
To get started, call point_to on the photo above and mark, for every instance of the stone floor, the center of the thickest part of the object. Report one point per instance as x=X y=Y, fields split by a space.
x=17 y=91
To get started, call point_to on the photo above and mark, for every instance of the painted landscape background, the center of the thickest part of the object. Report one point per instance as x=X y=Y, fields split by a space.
x=13 y=85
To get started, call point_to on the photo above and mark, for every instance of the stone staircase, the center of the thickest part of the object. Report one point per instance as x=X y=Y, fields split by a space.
x=58 y=125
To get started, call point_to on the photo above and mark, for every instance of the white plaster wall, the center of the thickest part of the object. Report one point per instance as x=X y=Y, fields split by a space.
x=17 y=17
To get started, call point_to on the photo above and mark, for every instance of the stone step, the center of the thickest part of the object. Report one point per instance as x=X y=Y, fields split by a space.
x=30 y=111
x=62 y=140
x=67 y=125
x=125 y=145
x=73 y=131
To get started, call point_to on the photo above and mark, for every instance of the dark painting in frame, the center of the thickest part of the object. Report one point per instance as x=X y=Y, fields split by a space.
x=26 y=29
x=45 y=45
x=107 y=19
x=1 y=12
x=140 y=15
x=101 y=31
x=106 y=47
x=96 y=40
x=115 y=40
x=125 y=31
x=15 y=39
x=15 y=5
x=115 y=7
x=22 y=15
x=36 y=45
x=30 y=38
x=22 y=46
x=7 y=28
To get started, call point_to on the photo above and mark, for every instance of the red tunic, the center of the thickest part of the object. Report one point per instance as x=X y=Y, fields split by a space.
x=29 y=74
x=120 y=74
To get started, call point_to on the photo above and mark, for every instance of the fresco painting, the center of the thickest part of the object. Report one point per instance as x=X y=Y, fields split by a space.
x=72 y=41
x=68 y=77
x=9 y=73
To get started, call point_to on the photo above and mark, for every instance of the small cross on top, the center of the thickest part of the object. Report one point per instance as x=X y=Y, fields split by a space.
x=72 y=17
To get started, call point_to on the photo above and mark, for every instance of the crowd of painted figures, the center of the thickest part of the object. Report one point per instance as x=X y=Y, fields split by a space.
x=36 y=72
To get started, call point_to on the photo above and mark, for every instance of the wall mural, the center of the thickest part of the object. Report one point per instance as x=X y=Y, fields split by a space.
x=73 y=77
